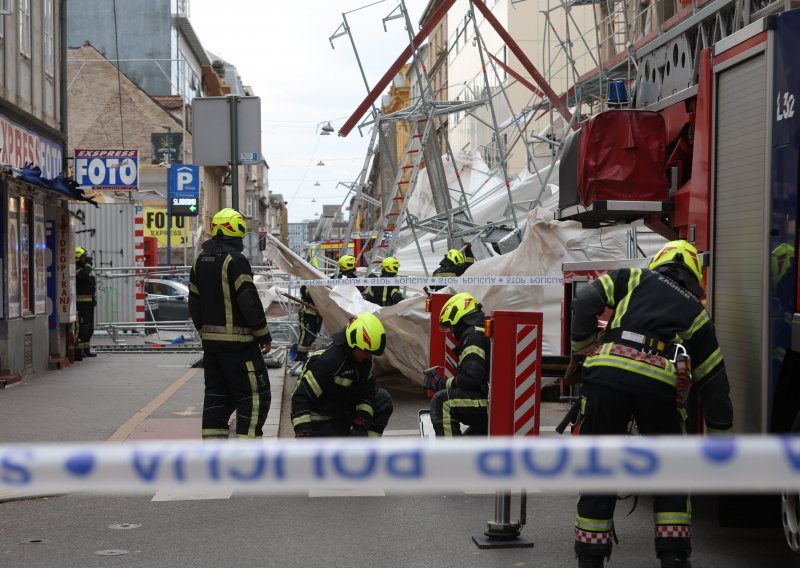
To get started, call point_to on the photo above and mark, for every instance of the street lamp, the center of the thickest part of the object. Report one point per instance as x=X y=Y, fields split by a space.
x=327 y=129
x=320 y=163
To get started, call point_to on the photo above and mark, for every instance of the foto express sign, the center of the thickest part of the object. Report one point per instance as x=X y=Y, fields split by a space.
x=107 y=169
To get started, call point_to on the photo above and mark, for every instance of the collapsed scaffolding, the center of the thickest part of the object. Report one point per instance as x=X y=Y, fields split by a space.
x=649 y=50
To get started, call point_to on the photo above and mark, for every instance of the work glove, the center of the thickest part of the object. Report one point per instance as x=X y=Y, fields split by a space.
x=303 y=434
x=266 y=347
x=438 y=382
x=360 y=428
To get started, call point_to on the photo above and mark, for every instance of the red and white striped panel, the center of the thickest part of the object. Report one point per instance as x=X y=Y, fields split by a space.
x=450 y=361
x=525 y=382
x=139 y=260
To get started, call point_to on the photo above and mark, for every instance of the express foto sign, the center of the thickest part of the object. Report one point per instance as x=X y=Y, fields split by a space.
x=107 y=169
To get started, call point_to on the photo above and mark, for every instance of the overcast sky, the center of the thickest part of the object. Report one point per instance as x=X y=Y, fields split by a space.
x=281 y=49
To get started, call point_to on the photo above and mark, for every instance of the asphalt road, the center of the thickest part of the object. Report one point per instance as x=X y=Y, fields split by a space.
x=149 y=396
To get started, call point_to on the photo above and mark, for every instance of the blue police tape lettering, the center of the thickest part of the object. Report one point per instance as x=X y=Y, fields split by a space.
x=347 y=471
x=792 y=452
x=594 y=468
x=13 y=471
x=646 y=462
x=405 y=465
x=80 y=465
x=146 y=465
x=257 y=472
x=528 y=458
x=496 y=463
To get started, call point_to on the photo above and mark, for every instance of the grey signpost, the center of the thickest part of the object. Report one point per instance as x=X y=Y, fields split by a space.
x=240 y=118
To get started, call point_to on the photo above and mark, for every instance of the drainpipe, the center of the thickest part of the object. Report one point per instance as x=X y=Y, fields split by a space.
x=62 y=19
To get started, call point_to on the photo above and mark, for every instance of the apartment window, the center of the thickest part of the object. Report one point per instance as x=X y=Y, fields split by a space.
x=49 y=39
x=25 y=27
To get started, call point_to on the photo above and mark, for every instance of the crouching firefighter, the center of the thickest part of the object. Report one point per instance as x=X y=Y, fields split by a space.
x=335 y=395
x=226 y=310
x=462 y=399
x=638 y=369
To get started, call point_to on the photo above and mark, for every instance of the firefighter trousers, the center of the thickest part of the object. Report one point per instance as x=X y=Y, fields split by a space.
x=452 y=407
x=310 y=324
x=341 y=426
x=85 y=325
x=608 y=411
x=235 y=380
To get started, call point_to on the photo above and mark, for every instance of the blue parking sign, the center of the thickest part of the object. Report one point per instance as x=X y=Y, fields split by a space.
x=183 y=192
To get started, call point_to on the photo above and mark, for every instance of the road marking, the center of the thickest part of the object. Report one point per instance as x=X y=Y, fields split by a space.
x=176 y=496
x=188 y=412
x=122 y=433
x=414 y=433
x=346 y=493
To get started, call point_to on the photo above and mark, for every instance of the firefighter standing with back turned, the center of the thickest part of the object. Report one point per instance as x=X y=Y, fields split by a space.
x=634 y=372
x=86 y=300
x=335 y=394
x=227 y=311
x=463 y=398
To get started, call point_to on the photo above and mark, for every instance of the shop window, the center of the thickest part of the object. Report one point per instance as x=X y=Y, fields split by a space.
x=26 y=255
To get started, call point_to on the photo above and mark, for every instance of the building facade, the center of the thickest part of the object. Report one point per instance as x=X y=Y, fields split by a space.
x=37 y=301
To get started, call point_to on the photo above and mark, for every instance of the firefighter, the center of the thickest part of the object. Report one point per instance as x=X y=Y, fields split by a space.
x=453 y=264
x=335 y=394
x=462 y=399
x=385 y=295
x=86 y=300
x=227 y=311
x=347 y=266
x=630 y=373
x=310 y=323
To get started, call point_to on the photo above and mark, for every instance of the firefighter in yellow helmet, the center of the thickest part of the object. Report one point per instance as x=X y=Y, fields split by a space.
x=86 y=300
x=385 y=295
x=227 y=311
x=462 y=399
x=634 y=371
x=335 y=394
x=453 y=264
x=347 y=269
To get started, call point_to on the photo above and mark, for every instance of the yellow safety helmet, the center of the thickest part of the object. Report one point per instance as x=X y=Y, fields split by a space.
x=781 y=260
x=456 y=308
x=366 y=332
x=456 y=257
x=79 y=252
x=347 y=262
x=390 y=265
x=228 y=222
x=681 y=253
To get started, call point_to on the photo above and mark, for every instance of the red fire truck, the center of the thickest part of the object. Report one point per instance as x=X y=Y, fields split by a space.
x=710 y=152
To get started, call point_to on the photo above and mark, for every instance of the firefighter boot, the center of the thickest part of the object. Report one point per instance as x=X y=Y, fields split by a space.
x=590 y=562
x=674 y=559
x=88 y=353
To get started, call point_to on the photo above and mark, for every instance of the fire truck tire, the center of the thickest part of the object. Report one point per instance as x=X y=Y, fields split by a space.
x=790 y=508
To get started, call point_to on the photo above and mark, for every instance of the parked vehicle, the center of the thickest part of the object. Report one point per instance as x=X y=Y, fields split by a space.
x=167 y=300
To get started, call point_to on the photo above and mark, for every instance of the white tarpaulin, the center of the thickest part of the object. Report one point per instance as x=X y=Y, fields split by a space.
x=546 y=244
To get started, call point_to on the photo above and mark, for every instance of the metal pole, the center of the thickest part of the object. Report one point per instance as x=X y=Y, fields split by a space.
x=169 y=198
x=234 y=102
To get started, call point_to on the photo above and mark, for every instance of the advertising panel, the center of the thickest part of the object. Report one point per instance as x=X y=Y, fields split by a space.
x=39 y=262
x=25 y=253
x=13 y=258
x=21 y=145
x=116 y=170
x=51 y=265
x=155 y=225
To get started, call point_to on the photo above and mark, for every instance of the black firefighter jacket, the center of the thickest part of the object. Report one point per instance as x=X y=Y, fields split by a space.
x=472 y=373
x=223 y=300
x=663 y=308
x=333 y=386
